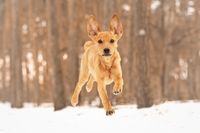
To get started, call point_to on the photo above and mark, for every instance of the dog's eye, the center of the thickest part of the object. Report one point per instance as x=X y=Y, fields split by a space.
x=100 y=41
x=112 y=40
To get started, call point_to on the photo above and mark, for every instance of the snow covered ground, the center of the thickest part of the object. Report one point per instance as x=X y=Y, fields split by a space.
x=170 y=117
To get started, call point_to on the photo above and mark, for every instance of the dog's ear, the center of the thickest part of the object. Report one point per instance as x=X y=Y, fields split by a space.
x=92 y=27
x=116 y=26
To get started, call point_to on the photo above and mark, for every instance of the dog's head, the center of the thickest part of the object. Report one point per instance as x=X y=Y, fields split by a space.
x=106 y=40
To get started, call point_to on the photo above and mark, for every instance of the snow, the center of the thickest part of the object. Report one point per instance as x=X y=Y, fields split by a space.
x=142 y=32
x=24 y=28
x=155 y=4
x=170 y=117
x=65 y=56
x=177 y=3
x=126 y=7
x=190 y=11
x=191 y=3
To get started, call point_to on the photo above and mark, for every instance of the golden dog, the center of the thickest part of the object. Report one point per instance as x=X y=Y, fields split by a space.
x=101 y=62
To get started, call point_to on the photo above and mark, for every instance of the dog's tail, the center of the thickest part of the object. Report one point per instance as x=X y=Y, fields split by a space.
x=87 y=45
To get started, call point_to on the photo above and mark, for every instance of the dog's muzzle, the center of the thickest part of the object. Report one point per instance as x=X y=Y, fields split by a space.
x=106 y=52
x=106 y=55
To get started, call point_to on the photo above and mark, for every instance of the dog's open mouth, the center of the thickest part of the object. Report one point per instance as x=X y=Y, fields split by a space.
x=106 y=55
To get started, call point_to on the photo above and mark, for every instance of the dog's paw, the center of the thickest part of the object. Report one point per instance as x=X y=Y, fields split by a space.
x=117 y=90
x=89 y=85
x=74 y=100
x=88 y=88
x=110 y=112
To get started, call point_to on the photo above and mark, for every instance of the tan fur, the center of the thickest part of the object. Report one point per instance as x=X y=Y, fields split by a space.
x=96 y=67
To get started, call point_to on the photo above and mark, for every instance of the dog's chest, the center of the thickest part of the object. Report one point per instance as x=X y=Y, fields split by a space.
x=108 y=76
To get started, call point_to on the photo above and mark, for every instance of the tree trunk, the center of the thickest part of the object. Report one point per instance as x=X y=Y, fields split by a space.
x=16 y=71
x=142 y=40
x=2 y=63
x=58 y=85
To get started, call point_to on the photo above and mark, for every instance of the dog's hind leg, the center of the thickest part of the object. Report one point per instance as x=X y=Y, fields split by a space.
x=90 y=82
x=83 y=78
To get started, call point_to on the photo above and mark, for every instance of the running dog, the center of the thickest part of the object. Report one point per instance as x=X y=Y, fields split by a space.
x=101 y=62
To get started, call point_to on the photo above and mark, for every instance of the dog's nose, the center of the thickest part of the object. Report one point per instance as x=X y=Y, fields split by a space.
x=106 y=50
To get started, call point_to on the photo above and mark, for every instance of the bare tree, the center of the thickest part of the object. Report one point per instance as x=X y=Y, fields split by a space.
x=16 y=61
x=2 y=64
x=159 y=49
x=144 y=91
x=58 y=86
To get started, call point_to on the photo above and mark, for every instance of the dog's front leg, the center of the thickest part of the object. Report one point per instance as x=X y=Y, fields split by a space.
x=118 y=87
x=104 y=97
x=117 y=76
